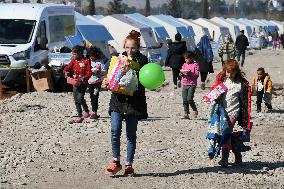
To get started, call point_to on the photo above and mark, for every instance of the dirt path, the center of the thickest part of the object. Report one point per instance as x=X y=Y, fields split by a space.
x=39 y=149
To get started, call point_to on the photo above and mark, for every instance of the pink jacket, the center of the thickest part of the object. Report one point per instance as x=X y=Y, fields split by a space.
x=191 y=78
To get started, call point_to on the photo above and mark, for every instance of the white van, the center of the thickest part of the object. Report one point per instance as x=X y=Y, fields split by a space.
x=29 y=31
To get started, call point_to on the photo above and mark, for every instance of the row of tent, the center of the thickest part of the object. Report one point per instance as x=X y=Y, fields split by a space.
x=156 y=30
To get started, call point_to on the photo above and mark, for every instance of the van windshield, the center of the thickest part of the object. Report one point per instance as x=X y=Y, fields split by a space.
x=16 y=31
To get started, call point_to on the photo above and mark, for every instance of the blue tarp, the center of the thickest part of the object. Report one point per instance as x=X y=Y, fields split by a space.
x=91 y=30
x=94 y=32
x=184 y=32
x=189 y=28
x=159 y=29
x=74 y=40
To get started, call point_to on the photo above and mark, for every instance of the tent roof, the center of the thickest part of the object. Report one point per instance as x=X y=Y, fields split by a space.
x=224 y=20
x=210 y=22
x=189 y=27
x=179 y=26
x=129 y=21
x=90 y=29
x=159 y=29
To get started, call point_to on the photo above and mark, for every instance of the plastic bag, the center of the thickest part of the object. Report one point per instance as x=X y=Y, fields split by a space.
x=121 y=78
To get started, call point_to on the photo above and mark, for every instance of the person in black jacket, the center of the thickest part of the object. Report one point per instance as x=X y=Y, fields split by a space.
x=129 y=108
x=241 y=45
x=175 y=58
x=282 y=39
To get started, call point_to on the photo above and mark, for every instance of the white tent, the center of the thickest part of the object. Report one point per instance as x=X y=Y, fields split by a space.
x=243 y=26
x=279 y=24
x=198 y=29
x=268 y=26
x=256 y=27
x=271 y=26
x=93 y=31
x=233 y=28
x=120 y=26
x=95 y=17
x=161 y=33
x=172 y=27
x=216 y=30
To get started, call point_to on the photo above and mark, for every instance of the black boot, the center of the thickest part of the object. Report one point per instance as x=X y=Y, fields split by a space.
x=238 y=158
x=225 y=158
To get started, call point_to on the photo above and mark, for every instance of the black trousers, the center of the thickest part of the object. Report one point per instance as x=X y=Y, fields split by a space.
x=203 y=76
x=78 y=94
x=94 y=91
x=259 y=101
x=175 y=75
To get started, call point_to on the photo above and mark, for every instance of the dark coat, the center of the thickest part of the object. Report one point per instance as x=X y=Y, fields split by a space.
x=203 y=65
x=175 y=57
x=242 y=43
x=131 y=105
x=282 y=38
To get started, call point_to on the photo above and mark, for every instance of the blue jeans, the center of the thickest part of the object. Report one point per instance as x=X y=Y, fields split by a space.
x=131 y=128
x=241 y=55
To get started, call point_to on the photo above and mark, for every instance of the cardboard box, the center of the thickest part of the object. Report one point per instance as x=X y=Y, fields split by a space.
x=214 y=93
x=42 y=80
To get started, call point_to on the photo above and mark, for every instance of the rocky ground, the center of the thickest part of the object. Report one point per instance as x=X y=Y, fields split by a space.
x=39 y=149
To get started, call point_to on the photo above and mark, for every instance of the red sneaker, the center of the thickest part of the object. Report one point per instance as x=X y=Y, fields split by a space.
x=77 y=120
x=128 y=171
x=94 y=116
x=112 y=169
x=86 y=115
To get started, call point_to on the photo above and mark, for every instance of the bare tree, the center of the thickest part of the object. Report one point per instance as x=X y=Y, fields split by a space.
x=204 y=9
x=147 y=8
x=115 y=7
x=174 y=8
x=92 y=7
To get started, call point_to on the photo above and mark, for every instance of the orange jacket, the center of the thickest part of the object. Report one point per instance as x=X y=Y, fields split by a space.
x=267 y=84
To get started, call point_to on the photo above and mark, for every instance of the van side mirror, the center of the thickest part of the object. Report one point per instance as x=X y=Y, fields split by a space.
x=43 y=43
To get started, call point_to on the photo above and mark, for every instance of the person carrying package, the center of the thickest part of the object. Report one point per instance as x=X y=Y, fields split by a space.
x=130 y=107
x=99 y=72
x=79 y=70
x=233 y=105
x=189 y=74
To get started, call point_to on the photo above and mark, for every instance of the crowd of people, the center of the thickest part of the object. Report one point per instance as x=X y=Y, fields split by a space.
x=90 y=73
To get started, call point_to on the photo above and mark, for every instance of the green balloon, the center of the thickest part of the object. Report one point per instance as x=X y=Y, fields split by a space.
x=151 y=76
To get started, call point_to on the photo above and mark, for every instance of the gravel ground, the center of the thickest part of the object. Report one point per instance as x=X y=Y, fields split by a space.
x=39 y=149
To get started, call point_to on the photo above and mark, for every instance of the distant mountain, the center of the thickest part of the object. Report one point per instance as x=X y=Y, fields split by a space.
x=135 y=3
x=130 y=3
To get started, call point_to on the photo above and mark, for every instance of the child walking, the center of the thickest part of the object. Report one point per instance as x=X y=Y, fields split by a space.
x=128 y=108
x=95 y=82
x=79 y=68
x=262 y=87
x=189 y=75
x=233 y=106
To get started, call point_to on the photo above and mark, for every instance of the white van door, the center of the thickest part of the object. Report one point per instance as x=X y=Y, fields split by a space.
x=40 y=50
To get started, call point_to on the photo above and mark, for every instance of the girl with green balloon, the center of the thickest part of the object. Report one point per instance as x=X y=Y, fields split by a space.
x=131 y=108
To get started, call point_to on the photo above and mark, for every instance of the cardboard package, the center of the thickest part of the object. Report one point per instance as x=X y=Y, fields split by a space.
x=42 y=80
x=214 y=94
